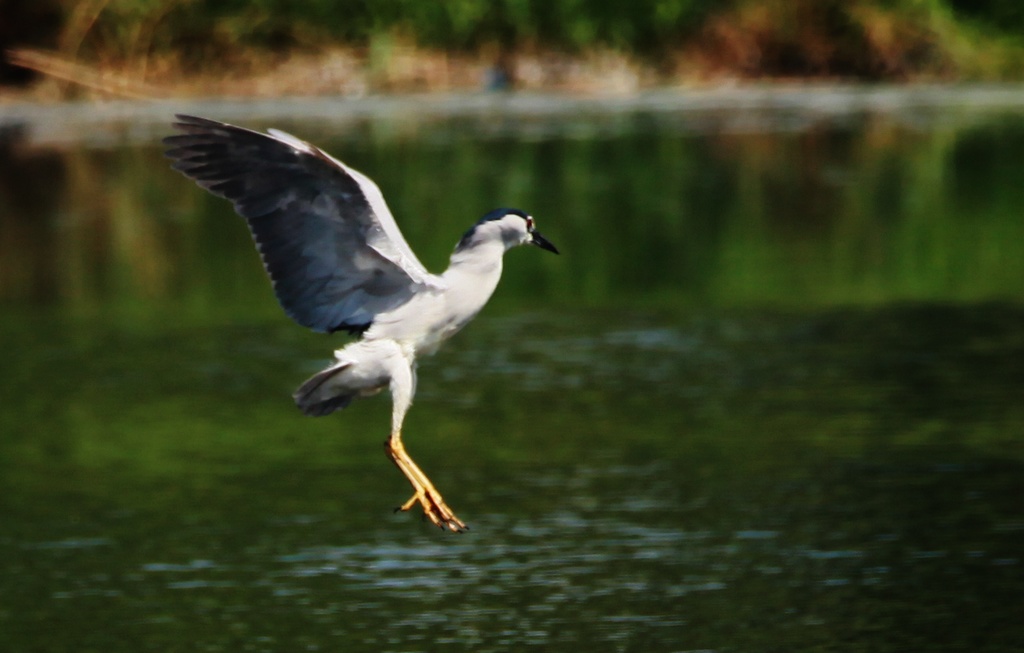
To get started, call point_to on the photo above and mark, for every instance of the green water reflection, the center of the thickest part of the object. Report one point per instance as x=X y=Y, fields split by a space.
x=869 y=212
x=768 y=399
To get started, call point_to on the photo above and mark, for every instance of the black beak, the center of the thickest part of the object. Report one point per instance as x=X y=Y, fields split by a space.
x=542 y=242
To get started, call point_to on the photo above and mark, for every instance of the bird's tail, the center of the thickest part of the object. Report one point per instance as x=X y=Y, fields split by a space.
x=316 y=397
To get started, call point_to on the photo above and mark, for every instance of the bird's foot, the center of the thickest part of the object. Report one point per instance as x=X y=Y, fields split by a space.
x=435 y=509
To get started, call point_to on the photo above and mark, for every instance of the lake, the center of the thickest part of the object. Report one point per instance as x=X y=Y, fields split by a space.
x=769 y=398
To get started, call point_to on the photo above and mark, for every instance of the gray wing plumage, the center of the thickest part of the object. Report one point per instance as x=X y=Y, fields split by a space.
x=327 y=239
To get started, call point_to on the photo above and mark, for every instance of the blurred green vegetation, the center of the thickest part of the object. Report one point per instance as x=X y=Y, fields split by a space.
x=872 y=39
x=226 y=24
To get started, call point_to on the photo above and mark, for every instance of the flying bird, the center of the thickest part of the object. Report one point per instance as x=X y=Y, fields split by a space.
x=338 y=262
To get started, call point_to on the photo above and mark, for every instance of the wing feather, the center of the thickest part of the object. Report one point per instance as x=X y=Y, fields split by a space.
x=326 y=237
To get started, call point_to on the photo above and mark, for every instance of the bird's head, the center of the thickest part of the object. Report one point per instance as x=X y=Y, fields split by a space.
x=510 y=226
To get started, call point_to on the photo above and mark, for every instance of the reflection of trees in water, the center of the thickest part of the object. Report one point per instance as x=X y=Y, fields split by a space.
x=873 y=210
x=32 y=183
x=81 y=226
x=866 y=210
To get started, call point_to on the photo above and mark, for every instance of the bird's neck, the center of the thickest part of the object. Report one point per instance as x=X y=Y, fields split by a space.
x=473 y=272
x=478 y=259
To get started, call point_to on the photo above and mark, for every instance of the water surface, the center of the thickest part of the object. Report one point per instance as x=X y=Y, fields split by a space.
x=767 y=399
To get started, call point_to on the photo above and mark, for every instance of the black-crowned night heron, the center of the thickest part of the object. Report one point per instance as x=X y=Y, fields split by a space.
x=338 y=262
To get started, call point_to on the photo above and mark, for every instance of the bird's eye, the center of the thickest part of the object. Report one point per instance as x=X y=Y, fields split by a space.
x=529 y=224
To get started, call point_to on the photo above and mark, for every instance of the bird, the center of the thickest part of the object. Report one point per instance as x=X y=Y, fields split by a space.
x=337 y=261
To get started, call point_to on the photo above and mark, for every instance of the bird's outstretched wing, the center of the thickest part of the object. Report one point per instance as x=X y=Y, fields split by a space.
x=328 y=241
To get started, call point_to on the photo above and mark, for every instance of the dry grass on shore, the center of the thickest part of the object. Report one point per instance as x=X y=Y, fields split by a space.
x=341 y=71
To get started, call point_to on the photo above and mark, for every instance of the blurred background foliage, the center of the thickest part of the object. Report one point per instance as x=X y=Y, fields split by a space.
x=870 y=39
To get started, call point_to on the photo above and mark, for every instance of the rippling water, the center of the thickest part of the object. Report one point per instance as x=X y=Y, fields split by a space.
x=768 y=399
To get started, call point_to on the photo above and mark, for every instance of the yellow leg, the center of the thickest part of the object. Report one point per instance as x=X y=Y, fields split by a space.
x=424 y=492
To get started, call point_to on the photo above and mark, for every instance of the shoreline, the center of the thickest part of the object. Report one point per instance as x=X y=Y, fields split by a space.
x=741 y=107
